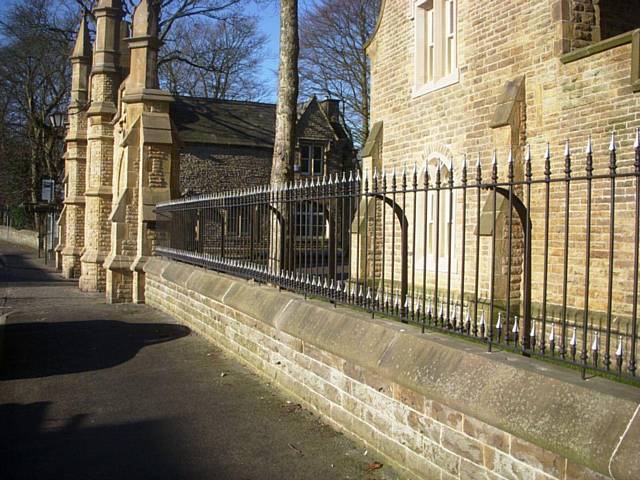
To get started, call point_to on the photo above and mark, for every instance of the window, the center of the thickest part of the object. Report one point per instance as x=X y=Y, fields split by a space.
x=239 y=222
x=311 y=159
x=310 y=221
x=436 y=45
x=438 y=222
x=440 y=215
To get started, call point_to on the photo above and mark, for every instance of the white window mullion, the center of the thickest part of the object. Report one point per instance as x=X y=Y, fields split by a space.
x=431 y=46
x=450 y=40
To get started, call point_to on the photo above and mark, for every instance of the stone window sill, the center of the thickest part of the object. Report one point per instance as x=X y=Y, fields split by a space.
x=452 y=79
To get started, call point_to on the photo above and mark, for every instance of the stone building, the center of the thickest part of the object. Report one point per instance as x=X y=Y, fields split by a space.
x=456 y=77
x=227 y=144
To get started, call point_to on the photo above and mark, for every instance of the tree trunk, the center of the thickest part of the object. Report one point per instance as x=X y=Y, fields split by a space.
x=284 y=143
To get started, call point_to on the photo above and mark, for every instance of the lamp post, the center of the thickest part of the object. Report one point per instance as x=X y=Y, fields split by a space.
x=57 y=121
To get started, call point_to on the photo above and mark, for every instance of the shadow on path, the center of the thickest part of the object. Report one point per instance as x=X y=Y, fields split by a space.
x=30 y=448
x=18 y=268
x=38 y=349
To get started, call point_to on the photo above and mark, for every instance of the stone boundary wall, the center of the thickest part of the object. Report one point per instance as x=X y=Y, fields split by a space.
x=26 y=238
x=434 y=406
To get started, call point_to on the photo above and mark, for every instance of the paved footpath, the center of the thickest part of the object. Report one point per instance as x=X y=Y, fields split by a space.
x=96 y=391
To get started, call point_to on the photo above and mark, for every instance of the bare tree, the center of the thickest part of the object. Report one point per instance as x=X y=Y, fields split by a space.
x=35 y=82
x=173 y=11
x=284 y=142
x=214 y=58
x=332 y=57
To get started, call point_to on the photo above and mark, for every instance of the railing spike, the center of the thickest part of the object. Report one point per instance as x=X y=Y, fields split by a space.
x=589 y=148
x=516 y=325
x=567 y=148
x=574 y=339
x=494 y=158
x=619 y=350
x=636 y=143
x=527 y=155
x=532 y=333
x=499 y=322
x=510 y=157
x=612 y=144
x=596 y=343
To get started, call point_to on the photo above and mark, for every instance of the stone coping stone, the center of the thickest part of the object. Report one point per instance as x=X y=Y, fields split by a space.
x=593 y=423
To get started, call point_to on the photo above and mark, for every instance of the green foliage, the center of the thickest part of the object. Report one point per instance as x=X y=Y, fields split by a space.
x=18 y=217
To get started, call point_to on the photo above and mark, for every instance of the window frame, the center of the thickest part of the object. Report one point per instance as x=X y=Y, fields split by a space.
x=436 y=45
x=429 y=229
x=311 y=159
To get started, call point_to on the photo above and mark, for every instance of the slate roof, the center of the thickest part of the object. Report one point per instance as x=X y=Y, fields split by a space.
x=231 y=122
x=224 y=122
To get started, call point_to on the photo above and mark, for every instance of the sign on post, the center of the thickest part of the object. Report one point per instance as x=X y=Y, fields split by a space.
x=48 y=187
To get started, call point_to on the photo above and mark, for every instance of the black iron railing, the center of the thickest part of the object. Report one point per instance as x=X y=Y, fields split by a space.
x=546 y=265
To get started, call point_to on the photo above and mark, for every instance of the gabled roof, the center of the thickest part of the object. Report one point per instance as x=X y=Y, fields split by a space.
x=238 y=123
x=224 y=122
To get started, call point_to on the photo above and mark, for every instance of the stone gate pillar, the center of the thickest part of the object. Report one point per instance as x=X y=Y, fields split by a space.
x=105 y=79
x=146 y=166
x=75 y=157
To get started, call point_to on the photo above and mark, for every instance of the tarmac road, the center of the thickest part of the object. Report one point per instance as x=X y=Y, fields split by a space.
x=96 y=391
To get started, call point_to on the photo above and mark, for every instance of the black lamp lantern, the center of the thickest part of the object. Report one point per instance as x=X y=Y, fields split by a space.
x=57 y=119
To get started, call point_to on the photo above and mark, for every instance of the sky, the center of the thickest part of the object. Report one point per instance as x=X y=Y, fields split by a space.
x=268 y=20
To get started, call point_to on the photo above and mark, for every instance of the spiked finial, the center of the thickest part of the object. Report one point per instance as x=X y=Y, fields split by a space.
x=612 y=144
x=567 y=148
x=516 y=326
x=82 y=47
x=636 y=143
x=478 y=161
x=494 y=158
x=532 y=333
x=574 y=340
x=499 y=322
x=482 y=320
x=145 y=19
x=595 y=344
x=552 y=334
x=510 y=158
x=464 y=161
x=547 y=153
x=527 y=154
x=589 y=148
x=619 y=349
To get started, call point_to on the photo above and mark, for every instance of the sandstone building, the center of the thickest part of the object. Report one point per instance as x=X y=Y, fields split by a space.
x=460 y=77
x=223 y=141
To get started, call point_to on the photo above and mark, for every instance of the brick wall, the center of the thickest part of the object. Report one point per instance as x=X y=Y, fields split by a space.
x=370 y=379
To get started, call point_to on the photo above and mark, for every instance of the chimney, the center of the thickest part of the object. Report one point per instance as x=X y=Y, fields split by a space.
x=331 y=108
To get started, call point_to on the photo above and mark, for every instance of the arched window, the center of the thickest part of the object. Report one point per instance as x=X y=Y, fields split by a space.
x=439 y=216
